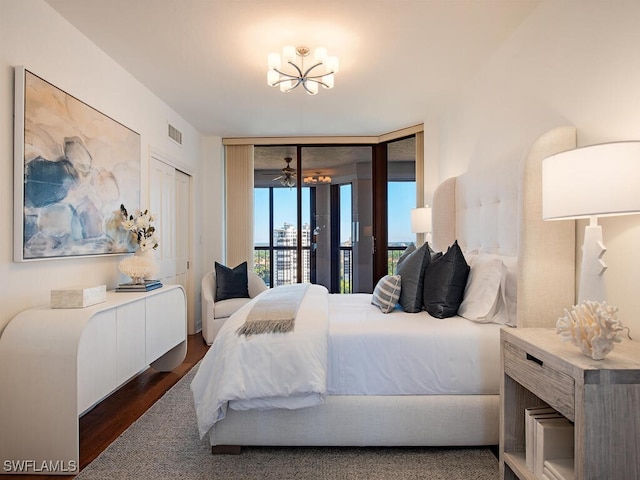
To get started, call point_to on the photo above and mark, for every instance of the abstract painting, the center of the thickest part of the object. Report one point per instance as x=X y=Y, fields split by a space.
x=74 y=167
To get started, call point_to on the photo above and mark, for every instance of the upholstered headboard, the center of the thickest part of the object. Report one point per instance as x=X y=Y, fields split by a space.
x=499 y=211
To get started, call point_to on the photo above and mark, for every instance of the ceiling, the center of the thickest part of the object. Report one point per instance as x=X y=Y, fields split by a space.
x=401 y=61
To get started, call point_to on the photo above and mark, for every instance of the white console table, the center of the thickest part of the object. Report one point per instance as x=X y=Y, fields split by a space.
x=55 y=364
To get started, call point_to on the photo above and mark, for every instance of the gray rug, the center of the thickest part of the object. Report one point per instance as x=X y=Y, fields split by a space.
x=164 y=443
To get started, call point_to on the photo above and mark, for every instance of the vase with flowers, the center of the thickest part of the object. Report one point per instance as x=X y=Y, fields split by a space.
x=142 y=264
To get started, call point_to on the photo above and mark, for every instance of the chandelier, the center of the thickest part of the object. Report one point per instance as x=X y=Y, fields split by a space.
x=311 y=179
x=289 y=71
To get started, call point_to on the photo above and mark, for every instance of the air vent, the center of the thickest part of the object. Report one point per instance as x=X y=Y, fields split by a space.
x=175 y=134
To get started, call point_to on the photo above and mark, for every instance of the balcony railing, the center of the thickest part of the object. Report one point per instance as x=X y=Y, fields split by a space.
x=346 y=270
x=262 y=265
x=393 y=254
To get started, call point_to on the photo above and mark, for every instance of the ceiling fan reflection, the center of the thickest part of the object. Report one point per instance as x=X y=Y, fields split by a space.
x=288 y=176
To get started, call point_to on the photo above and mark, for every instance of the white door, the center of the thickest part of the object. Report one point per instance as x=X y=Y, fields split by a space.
x=183 y=239
x=170 y=202
x=162 y=203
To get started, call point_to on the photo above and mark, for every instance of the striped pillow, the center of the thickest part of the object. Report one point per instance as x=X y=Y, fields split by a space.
x=386 y=293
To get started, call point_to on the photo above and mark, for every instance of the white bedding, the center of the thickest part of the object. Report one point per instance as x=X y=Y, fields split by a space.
x=343 y=345
x=265 y=371
x=400 y=353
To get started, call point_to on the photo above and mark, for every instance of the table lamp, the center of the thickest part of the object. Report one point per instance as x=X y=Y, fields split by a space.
x=421 y=220
x=591 y=182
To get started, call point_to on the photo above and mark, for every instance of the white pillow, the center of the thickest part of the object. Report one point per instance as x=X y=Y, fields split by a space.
x=470 y=256
x=483 y=298
x=387 y=292
x=508 y=289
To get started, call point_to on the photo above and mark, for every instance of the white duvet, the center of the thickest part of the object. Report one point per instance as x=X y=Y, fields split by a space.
x=398 y=353
x=280 y=370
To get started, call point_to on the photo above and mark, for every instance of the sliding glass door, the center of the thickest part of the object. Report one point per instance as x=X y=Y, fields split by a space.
x=312 y=209
x=401 y=198
x=316 y=208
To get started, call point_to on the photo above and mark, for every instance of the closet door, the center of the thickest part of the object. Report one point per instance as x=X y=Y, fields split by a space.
x=183 y=240
x=163 y=205
x=170 y=202
x=183 y=225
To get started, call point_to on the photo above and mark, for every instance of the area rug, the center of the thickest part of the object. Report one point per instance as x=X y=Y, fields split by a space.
x=164 y=443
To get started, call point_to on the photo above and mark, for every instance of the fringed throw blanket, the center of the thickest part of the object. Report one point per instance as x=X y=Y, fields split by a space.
x=275 y=311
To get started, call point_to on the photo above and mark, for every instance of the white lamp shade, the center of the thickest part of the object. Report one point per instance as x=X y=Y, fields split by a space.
x=286 y=85
x=273 y=61
x=288 y=54
x=421 y=220
x=593 y=181
x=333 y=64
x=272 y=77
x=329 y=81
x=320 y=54
x=312 y=87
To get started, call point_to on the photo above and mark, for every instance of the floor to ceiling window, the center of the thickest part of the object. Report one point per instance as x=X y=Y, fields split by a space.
x=313 y=213
x=401 y=198
x=347 y=233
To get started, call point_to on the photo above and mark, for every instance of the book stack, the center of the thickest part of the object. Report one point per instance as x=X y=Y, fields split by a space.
x=548 y=442
x=147 y=286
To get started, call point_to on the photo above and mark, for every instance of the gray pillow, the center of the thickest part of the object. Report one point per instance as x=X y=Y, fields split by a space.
x=411 y=270
x=444 y=282
x=386 y=294
x=231 y=282
x=405 y=253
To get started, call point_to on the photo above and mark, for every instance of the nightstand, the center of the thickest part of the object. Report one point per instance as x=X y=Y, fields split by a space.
x=601 y=397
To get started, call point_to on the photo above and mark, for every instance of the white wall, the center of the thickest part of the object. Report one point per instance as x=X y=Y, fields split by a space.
x=34 y=35
x=570 y=63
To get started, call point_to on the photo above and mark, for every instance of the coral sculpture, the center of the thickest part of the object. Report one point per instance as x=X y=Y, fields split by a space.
x=592 y=327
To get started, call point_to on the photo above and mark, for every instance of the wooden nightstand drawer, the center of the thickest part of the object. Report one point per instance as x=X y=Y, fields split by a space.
x=555 y=388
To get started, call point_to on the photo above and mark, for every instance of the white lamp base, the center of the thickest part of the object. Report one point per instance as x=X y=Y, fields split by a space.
x=593 y=267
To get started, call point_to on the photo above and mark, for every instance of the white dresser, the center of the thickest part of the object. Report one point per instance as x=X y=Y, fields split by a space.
x=55 y=364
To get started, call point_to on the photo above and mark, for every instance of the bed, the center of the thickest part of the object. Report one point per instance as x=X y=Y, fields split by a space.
x=379 y=388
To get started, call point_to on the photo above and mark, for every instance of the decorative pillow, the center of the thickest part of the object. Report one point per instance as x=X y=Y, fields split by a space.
x=411 y=269
x=405 y=253
x=231 y=282
x=444 y=282
x=482 y=293
x=386 y=293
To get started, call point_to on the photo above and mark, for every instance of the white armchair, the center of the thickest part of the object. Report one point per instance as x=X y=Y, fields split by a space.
x=214 y=314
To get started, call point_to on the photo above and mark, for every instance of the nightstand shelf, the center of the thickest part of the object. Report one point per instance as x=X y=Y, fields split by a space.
x=517 y=463
x=602 y=398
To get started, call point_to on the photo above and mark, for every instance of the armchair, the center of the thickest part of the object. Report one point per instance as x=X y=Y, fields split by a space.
x=214 y=314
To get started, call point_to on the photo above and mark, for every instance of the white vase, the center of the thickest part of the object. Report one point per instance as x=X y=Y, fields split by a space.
x=140 y=266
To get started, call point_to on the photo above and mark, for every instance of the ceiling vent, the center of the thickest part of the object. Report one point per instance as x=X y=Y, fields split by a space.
x=175 y=134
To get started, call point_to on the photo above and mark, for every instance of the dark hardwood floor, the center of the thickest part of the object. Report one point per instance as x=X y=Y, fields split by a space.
x=107 y=420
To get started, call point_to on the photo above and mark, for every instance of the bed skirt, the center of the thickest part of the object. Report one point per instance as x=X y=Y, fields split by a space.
x=353 y=420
